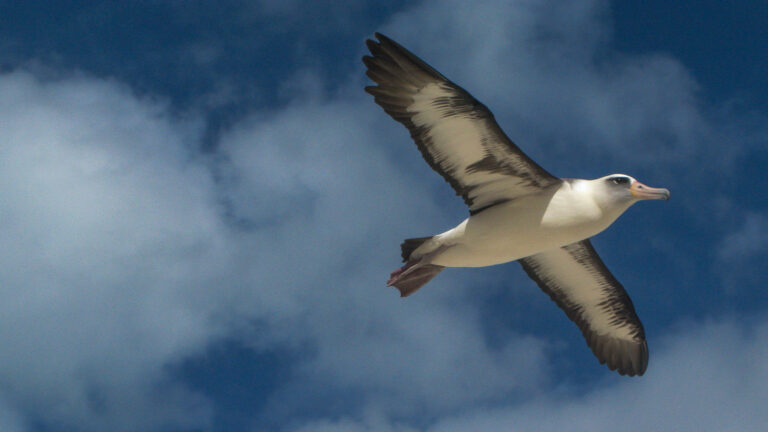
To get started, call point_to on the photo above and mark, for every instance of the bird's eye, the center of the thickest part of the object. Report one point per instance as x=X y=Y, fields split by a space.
x=619 y=180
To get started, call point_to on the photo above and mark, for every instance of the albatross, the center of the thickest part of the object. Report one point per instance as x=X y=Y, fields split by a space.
x=517 y=210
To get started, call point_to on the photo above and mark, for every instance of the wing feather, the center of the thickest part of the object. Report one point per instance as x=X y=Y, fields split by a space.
x=456 y=134
x=577 y=280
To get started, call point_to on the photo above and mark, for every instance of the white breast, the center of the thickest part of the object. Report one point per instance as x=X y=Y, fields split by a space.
x=554 y=218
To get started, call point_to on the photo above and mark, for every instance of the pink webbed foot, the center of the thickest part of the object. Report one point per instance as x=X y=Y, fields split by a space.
x=410 y=277
x=397 y=274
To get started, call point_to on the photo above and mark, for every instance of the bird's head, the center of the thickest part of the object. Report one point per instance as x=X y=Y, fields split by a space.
x=621 y=190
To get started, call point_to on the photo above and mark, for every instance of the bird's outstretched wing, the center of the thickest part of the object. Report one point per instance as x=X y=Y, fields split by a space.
x=577 y=280
x=456 y=134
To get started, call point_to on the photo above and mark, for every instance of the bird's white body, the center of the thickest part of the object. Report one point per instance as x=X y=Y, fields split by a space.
x=557 y=216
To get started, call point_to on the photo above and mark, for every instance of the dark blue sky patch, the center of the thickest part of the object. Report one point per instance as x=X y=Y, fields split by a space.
x=224 y=57
x=182 y=50
x=720 y=42
x=238 y=379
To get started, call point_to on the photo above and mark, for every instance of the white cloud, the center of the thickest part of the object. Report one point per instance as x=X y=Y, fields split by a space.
x=705 y=377
x=123 y=257
x=108 y=227
x=709 y=377
x=742 y=251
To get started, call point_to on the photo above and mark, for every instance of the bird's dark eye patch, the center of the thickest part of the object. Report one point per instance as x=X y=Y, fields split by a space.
x=619 y=180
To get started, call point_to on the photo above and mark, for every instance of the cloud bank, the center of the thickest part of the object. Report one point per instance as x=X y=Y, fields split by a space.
x=707 y=377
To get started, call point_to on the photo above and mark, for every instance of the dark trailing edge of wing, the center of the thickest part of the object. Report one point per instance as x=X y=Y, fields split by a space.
x=627 y=357
x=384 y=70
x=400 y=75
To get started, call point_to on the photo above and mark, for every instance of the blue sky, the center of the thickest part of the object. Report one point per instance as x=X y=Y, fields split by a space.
x=201 y=206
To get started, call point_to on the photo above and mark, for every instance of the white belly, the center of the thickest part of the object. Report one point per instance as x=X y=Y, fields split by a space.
x=517 y=229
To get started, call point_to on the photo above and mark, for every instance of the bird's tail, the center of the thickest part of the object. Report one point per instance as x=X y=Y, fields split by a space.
x=414 y=274
x=410 y=245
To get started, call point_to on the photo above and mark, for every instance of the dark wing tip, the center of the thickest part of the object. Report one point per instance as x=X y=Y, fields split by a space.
x=626 y=357
x=407 y=61
x=386 y=41
x=372 y=44
x=381 y=37
x=371 y=90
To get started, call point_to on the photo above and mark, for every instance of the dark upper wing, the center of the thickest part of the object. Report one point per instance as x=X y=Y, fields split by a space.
x=456 y=134
x=578 y=281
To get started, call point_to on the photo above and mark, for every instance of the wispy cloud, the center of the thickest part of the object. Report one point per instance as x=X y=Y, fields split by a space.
x=124 y=256
x=750 y=239
x=708 y=377
x=109 y=227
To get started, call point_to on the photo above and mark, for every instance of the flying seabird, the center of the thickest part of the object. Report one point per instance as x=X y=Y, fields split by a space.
x=517 y=210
